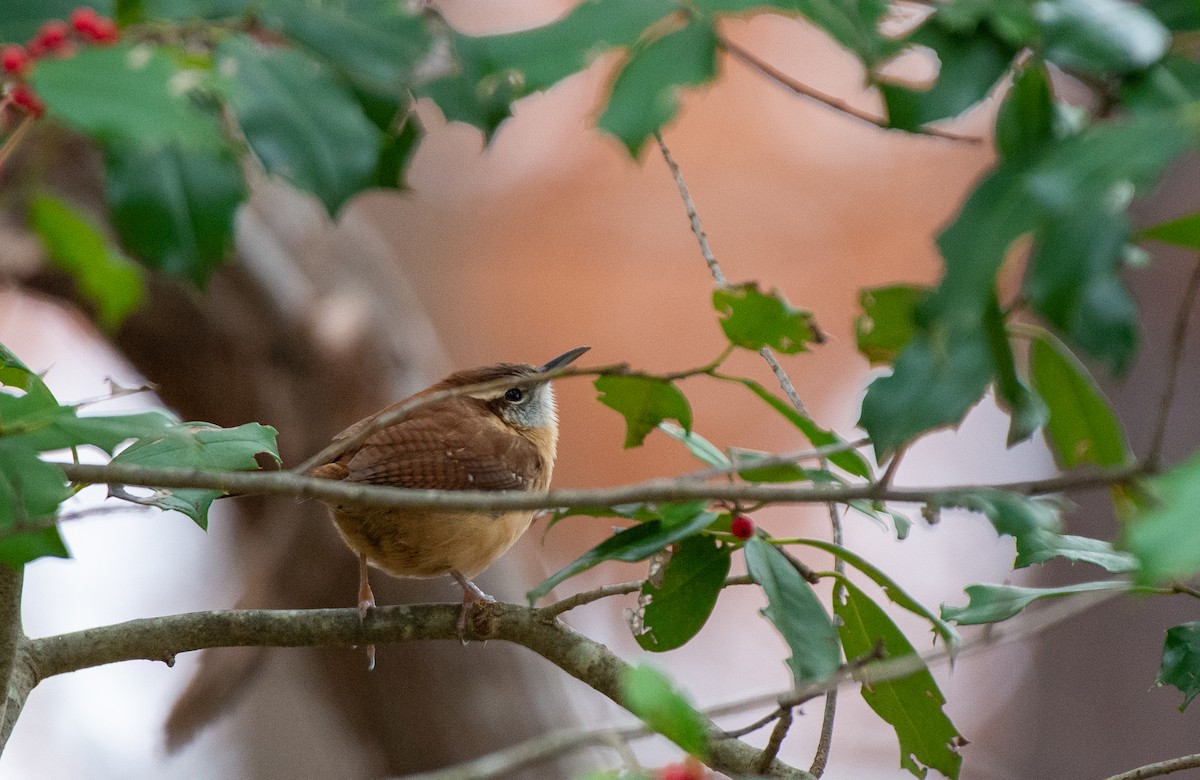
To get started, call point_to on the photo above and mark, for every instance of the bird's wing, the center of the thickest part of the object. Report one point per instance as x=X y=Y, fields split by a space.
x=463 y=450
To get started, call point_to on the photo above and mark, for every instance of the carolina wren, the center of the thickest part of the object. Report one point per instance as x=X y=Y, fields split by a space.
x=504 y=439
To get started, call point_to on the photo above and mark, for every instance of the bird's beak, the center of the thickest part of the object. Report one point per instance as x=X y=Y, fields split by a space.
x=564 y=359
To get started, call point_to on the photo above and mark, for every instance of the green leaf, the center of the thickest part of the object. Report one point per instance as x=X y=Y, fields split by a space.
x=849 y=461
x=376 y=46
x=645 y=401
x=777 y=472
x=1025 y=121
x=934 y=382
x=1178 y=15
x=876 y=509
x=1181 y=661
x=1184 y=232
x=632 y=544
x=1079 y=549
x=18 y=548
x=645 y=95
x=496 y=70
x=14 y=373
x=796 y=612
x=972 y=62
x=1171 y=85
x=125 y=92
x=1082 y=427
x=912 y=704
x=1101 y=36
x=105 y=278
x=648 y=694
x=680 y=606
x=1162 y=536
x=173 y=206
x=893 y=591
x=854 y=25
x=43 y=428
x=301 y=123
x=994 y=603
x=1026 y=410
x=704 y=450
x=887 y=323
x=200 y=446
x=1034 y=523
x=753 y=320
x=30 y=493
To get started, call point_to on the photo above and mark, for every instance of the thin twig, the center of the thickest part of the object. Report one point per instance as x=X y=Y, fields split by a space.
x=617 y=589
x=776 y=741
x=756 y=725
x=282 y=483
x=1160 y=768
x=825 y=740
x=693 y=217
x=825 y=99
x=1174 y=358
x=12 y=648
x=889 y=474
x=14 y=139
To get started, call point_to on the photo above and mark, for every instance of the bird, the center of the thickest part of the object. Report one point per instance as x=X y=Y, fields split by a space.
x=504 y=438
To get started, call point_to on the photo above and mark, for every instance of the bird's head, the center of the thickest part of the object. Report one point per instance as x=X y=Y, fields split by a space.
x=525 y=407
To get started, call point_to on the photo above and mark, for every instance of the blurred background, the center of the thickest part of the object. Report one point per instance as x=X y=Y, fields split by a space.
x=549 y=238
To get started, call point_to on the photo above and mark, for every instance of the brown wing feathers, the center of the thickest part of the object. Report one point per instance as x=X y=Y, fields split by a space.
x=455 y=445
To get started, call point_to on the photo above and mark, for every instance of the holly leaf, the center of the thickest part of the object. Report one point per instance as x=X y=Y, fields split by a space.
x=796 y=612
x=704 y=450
x=15 y=374
x=632 y=544
x=199 y=446
x=1103 y=37
x=645 y=95
x=678 y=608
x=174 y=207
x=912 y=704
x=1181 y=661
x=994 y=603
x=1184 y=232
x=752 y=319
x=645 y=401
x=1082 y=427
x=105 y=278
x=887 y=323
x=125 y=92
x=1162 y=535
x=649 y=695
x=302 y=123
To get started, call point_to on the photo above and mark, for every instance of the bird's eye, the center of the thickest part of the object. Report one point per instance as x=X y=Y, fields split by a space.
x=514 y=394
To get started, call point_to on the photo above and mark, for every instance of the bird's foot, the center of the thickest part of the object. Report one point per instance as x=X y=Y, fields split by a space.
x=472 y=597
x=366 y=603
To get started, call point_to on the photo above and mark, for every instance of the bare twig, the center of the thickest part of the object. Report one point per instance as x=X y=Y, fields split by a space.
x=1174 y=358
x=14 y=139
x=776 y=741
x=825 y=99
x=756 y=725
x=1160 y=768
x=617 y=589
x=282 y=483
x=12 y=648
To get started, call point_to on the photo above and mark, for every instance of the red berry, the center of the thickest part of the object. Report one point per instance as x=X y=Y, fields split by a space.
x=742 y=527
x=24 y=96
x=83 y=19
x=53 y=35
x=13 y=58
x=691 y=770
x=102 y=30
x=36 y=48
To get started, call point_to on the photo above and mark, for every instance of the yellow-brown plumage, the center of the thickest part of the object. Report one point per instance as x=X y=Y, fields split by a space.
x=502 y=439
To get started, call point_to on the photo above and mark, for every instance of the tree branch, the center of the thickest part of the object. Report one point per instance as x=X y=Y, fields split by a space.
x=1160 y=768
x=656 y=490
x=825 y=99
x=162 y=638
x=1174 y=359
x=12 y=649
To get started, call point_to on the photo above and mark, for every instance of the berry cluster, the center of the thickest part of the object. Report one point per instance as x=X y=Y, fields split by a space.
x=55 y=38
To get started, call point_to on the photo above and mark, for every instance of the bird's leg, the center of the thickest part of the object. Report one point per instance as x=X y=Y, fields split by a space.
x=366 y=602
x=472 y=595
